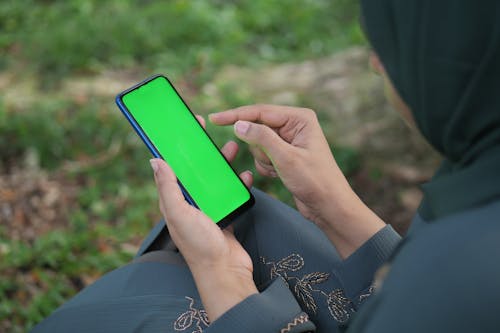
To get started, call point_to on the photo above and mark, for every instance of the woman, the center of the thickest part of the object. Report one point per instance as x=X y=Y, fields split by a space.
x=279 y=272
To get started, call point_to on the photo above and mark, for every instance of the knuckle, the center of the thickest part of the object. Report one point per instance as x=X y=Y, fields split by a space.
x=310 y=114
x=264 y=165
x=258 y=167
x=271 y=173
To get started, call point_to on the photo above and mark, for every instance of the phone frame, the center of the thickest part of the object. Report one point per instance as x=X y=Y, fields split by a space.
x=142 y=134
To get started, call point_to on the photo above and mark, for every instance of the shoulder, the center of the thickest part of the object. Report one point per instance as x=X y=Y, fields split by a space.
x=462 y=249
x=445 y=276
x=464 y=240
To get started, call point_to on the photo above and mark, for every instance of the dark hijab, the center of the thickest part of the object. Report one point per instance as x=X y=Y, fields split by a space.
x=443 y=57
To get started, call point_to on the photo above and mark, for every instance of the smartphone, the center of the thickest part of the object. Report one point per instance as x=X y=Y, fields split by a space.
x=171 y=131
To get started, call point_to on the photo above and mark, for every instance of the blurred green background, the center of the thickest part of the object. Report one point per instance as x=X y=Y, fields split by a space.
x=76 y=191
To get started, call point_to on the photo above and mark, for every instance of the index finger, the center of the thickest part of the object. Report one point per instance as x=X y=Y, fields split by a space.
x=270 y=115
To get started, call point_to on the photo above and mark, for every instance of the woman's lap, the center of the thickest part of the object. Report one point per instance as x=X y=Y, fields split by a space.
x=280 y=241
x=283 y=244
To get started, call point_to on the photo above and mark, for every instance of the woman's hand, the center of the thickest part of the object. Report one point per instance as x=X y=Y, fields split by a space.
x=221 y=268
x=288 y=142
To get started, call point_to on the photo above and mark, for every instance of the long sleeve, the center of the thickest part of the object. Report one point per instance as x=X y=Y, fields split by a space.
x=356 y=272
x=276 y=309
x=273 y=310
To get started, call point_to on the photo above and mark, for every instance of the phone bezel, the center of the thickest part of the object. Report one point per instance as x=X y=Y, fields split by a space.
x=142 y=134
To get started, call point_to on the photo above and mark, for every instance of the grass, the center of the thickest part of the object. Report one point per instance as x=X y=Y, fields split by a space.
x=88 y=149
x=59 y=38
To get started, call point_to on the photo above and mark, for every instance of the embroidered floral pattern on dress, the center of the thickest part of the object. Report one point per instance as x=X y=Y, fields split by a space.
x=340 y=307
x=193 y=318
x=306 y=287
x=291 y=263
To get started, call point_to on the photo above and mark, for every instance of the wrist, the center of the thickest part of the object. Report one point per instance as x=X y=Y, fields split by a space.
x=347 y=221
x=336 y=203
x=221 y=288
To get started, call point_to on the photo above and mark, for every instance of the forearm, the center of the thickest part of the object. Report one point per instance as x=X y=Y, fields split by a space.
x=274 y=309
x=347 y=221
x=220 y=289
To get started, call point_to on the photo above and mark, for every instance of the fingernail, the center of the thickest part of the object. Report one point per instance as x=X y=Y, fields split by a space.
x=242 y=126
x=212 y=116
x=154 y=165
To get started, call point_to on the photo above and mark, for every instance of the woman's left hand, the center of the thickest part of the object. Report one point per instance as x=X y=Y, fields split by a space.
x=221 y=268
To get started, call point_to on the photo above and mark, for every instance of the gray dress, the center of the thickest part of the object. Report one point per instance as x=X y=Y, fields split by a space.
x=303 y=283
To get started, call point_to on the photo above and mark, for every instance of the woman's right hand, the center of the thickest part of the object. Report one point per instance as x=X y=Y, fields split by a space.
x=288 y=142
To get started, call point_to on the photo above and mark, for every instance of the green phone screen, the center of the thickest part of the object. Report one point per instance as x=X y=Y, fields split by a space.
x=182 y=142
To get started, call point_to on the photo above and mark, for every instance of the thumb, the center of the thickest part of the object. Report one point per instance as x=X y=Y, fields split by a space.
x=170 y=195
x=263 y=137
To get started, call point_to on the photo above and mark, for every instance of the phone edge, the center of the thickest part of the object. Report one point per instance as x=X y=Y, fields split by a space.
x=139 y=131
